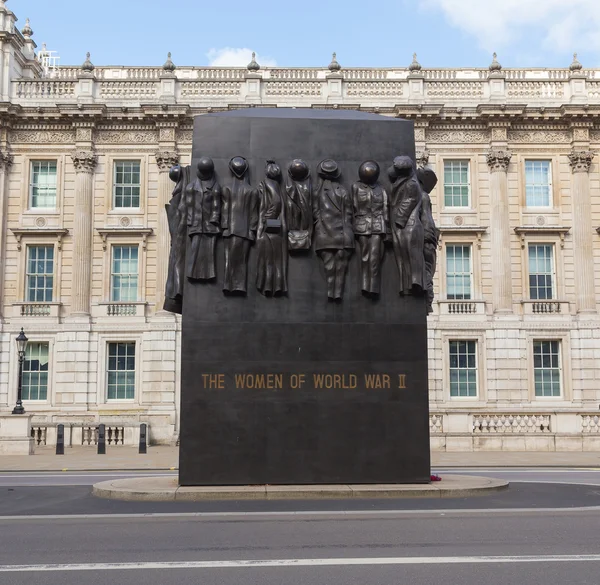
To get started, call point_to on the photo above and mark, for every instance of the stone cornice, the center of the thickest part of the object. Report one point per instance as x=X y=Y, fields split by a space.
x=581 y=160
x=498 y=160
x=85 y=161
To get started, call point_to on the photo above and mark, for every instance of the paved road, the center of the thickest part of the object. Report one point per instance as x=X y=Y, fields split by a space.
x=53 y=532
x=550 y=547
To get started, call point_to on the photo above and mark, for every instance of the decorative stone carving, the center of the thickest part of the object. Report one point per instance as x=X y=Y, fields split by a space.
x=204 y=221
x=407 y=230
x=498 y=160
x=166 y=159
x=166 y=134
x=41 y=137
x=499 y=134
x=539 y=136
x=127 y=137
x=271 y=237
x=205 y=89
x=6 y=161
x=581 y=160
x=125 y=222
x=83 y=134
x=334 y=238
x=183 y=136
x=582 y=134
x=41 y=222
x=239 y=222
x=455 y=89
x=535 y=89
x=371 y=217
x=422 y=158
x=85 y=161
x=458 y=220
x=457 y=136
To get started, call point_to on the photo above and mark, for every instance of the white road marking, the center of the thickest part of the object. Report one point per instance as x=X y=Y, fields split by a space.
x=299 y=563
x=303 y=514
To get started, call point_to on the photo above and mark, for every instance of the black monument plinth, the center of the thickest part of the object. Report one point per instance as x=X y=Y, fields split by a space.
x=298 y=388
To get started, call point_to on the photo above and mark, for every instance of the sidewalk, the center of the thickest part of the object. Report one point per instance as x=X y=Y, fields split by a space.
x=166 y=458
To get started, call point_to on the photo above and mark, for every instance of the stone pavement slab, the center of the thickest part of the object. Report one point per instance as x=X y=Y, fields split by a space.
x=165 y=458
x=162 y=489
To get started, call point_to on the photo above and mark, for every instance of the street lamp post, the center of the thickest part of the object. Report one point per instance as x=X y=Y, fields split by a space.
x=22 y=348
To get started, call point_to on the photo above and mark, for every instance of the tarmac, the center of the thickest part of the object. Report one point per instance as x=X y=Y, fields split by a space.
x=165 y=458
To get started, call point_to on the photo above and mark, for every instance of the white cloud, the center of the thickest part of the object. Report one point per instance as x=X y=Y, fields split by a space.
x=563 y=25
x=232 y=57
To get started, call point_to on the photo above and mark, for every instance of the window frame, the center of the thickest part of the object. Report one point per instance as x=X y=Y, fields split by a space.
x=469 y=205
x=452 y=340
x=551 y=187
x=42 y=208
x=102 y=402
x=463 y=244
x=479 y=336
x=113 y=246
x=553 y=276
x=559 y=368
x=107 y=372
x=27 y=209
x=26 y=290
x=565 y=366
x=48 y=388
x=113 y=185
x=33 y=405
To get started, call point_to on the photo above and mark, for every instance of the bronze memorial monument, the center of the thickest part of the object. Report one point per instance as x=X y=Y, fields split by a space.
x=303 y=249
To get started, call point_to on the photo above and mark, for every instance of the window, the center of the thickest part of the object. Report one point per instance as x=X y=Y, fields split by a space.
x=124 y=274
x=40 y=274
x=42 y=188
x=127 y=184
x=541 y=271
x=538 y=183
x=121 y=371
x=456 y=183
x=458 y=272
x=546 y=368
x=35 y=372
x=463 y=368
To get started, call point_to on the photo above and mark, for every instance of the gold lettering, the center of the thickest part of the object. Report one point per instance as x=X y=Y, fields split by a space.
x=387 y=381
x=221 y=382
x=370 y=380
x=402 y=381
x=318 y=380
x=240 y=380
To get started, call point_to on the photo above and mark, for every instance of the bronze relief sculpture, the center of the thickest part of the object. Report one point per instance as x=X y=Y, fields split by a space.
x=177 y=217
x=204 y=221
x=298 y=206
x=239 y=222
x=370 y=207
x=428 y=180
x=407 y=229
x=271 y=238
x=333 y=234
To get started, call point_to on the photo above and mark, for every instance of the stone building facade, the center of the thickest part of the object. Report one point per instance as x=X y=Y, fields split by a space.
x=84 y=159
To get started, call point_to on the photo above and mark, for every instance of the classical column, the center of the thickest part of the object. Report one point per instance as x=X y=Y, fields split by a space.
x=581 y=161
x=85 y=162
x=498 y=161
x=6 y=161
x=165 y=160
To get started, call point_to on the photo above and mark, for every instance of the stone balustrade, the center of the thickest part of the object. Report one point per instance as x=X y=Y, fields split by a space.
x=377 y=87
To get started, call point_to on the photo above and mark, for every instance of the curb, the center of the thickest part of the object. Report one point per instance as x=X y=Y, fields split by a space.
x=165 y=489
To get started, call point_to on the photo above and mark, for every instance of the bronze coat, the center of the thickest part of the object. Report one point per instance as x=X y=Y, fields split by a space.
x=204 y=205
x=332 y=213
x=239 y=215
x=370 y=204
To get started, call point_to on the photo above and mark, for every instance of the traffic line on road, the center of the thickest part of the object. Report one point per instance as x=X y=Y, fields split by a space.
x=299 y=563
x=301 y=514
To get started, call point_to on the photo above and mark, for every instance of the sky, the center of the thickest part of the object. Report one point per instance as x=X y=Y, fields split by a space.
x=380 y=33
